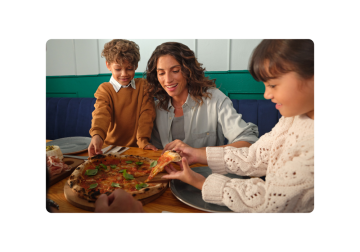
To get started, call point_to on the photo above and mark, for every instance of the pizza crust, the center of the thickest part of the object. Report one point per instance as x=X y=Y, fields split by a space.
x=92 y=195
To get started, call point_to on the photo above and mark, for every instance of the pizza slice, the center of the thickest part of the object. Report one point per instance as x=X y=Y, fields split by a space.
x=165 y=159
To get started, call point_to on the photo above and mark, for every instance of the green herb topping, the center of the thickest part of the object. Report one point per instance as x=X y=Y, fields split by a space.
x=127 y=175
x=122 y=170
x=115 y=184
x=92 y=186
x=113 y=166
x=128 y=162
x=154 y=163
x=103 y=166
x=142 y=185
x=91 y=172
x=139 y=163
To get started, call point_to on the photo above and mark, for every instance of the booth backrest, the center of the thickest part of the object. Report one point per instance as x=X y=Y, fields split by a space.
x=260 y=112
x=67 y=117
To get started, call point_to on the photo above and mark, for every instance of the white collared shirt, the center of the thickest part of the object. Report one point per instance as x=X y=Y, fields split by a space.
x=117 y=86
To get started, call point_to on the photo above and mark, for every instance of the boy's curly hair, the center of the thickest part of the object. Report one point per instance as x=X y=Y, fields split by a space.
x=191 y=69
x=119 y=50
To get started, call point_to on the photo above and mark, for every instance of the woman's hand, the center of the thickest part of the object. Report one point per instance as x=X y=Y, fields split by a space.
x=175 y=144
x=150 y=147
x=185 y=174
x=95 y=146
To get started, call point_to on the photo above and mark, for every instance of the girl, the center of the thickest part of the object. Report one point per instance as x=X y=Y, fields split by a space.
x=285 y=155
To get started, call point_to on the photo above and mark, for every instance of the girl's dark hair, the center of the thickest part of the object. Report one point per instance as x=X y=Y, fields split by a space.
x=275 y=57
x=191 y=69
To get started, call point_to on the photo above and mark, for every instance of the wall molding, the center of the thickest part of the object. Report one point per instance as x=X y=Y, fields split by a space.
x=140 y=74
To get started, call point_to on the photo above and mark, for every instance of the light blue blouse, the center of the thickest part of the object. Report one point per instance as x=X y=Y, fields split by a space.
x=205 y=125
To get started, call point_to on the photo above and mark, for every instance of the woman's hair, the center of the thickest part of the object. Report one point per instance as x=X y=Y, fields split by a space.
x=120 y=50
x=275 y=57
x=191 y=69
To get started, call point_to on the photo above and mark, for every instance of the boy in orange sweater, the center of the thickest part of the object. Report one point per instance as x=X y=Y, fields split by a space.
x=124 y=113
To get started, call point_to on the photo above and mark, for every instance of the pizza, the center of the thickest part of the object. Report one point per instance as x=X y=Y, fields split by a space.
x=165 y=159
x=104 y=173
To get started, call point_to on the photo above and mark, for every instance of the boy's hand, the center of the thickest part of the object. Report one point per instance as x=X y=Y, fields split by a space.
x=118 y=201
x=150 y=147
x=95 y=146
x=185 y=174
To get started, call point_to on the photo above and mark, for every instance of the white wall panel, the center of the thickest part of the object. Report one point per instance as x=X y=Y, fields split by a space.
x=102 y=64
x=147 y=46
x=60 y=57
x=86 y=57
x=83 y=57
x=214 y=54
x=240 y=52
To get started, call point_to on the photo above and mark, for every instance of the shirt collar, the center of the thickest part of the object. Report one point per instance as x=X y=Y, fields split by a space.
x=189 y=102
x=117 y=86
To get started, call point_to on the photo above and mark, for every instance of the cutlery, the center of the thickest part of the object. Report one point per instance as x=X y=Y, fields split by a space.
x=106 y=149
x=78 y=157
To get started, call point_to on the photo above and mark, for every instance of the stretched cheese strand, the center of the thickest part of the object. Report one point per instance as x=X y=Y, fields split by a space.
x=54 y=151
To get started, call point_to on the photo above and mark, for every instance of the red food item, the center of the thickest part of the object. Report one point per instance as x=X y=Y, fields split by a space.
x=56 y=166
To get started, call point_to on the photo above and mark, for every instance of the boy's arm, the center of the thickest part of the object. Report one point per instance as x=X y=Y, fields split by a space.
x=101 y=116
x=146 y=120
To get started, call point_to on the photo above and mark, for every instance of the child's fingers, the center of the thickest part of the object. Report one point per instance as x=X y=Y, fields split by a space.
x=185 y=164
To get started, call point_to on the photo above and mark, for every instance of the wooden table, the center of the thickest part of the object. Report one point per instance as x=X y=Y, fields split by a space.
x=166 y=202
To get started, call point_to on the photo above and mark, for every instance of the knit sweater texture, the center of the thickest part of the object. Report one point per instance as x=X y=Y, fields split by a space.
x=123 y=118
x=285 y=155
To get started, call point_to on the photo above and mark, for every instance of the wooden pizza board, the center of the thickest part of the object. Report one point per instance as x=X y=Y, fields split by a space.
x=73 y=163
x=73 y=199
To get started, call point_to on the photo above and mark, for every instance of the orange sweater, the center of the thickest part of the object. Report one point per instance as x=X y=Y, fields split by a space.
x=123 y=118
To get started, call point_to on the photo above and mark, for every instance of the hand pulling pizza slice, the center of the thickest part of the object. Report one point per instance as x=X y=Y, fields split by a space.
x=165 y=159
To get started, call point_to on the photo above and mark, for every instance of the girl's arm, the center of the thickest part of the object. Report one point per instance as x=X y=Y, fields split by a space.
x=289 y=189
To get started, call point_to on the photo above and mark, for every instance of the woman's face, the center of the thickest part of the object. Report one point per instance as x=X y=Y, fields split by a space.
x=170 y=77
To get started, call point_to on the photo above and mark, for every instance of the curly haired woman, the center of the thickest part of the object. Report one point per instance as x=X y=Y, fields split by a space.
x=190 y=110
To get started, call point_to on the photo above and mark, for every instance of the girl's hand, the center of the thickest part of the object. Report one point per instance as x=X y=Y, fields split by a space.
x=193 y=155
x=185 y=174
x=150 y=147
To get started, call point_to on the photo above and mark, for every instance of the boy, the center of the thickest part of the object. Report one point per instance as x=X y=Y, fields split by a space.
x=124 y=113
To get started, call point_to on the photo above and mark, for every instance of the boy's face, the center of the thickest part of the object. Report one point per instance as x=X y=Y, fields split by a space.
x=123 y=73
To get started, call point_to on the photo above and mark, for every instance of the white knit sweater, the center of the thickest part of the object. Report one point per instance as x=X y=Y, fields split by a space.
x=285 y=155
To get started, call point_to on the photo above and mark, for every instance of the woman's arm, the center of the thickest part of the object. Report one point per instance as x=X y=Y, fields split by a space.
x=235 y=129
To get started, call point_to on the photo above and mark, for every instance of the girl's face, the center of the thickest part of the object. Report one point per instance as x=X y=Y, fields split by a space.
x=292 y=95
x=170 y=77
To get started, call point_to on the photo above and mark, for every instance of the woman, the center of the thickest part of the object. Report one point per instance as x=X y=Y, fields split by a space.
x=190 y=110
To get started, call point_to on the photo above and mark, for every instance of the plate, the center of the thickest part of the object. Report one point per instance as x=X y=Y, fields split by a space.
x=71 y=145
x=192 y=196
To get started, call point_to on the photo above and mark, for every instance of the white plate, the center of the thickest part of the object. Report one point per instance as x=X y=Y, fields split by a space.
x=71 y=145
